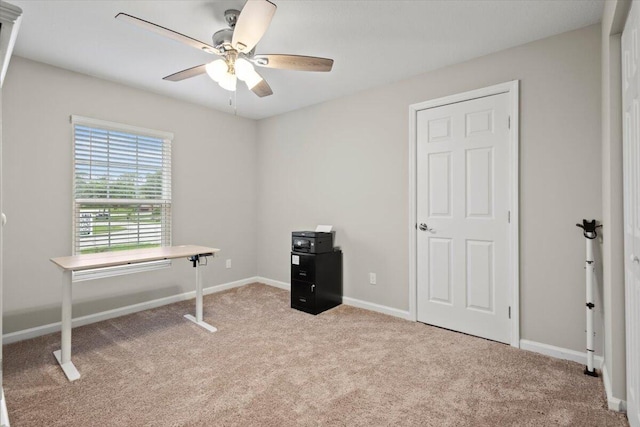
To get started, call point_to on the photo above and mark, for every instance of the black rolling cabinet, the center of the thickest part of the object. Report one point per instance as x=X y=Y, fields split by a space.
x=316 y=281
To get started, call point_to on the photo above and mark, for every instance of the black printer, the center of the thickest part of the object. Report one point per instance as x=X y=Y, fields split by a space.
x=311 y=242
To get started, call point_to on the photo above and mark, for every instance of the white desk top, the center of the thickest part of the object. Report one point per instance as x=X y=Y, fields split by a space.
x=110 y=259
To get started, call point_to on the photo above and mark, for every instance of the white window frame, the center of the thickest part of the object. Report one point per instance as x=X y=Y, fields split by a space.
x=104 y=272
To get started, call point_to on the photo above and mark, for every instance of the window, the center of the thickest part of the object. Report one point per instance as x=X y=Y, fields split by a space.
x=121 y=186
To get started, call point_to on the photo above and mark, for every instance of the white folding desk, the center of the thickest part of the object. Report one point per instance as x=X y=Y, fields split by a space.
x=73 y=263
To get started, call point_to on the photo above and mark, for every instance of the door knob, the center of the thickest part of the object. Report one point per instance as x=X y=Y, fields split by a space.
x=4 y=219
x=425 y=227
x=634 y=259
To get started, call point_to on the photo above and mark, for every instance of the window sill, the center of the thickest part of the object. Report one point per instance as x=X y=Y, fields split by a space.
x=104 y=272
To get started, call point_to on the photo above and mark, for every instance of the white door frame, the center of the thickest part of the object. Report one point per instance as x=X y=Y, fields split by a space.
x=511 y=88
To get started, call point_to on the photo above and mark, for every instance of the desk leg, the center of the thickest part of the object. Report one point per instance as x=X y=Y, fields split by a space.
x=199 y=295
x=64 y=354
x=4 y=414
x=198 y=318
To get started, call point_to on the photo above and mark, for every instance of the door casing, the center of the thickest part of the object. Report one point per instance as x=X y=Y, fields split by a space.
x=512 y=89
x=631 y=206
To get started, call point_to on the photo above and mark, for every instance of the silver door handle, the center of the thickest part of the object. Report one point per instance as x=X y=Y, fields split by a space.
x=4 y=219
x=425 y=227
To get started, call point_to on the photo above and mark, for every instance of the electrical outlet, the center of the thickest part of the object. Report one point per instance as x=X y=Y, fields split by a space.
x=372 y=278
x=228 y=264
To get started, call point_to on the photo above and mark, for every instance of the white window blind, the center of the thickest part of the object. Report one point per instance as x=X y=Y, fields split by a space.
x=121 y=185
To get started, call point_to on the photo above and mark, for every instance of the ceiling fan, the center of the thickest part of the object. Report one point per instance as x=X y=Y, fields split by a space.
x=236 y=46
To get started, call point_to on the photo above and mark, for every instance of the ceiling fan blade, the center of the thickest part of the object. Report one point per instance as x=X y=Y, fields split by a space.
x=150 y=26
x=253 y=22
x=262 y=89
x=186 y=74
x=294 y=62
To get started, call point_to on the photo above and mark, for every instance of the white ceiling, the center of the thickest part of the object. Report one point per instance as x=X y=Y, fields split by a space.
x=373 y=42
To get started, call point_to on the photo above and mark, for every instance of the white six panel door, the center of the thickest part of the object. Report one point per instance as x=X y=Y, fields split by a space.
x=631 y=173
x=462 y=207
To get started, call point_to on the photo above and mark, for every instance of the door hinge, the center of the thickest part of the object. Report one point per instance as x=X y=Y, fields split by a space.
x=509 y=217
x=509 y=122
x=509 y=312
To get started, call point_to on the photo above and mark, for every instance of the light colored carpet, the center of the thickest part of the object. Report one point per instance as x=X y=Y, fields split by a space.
x=269 y=365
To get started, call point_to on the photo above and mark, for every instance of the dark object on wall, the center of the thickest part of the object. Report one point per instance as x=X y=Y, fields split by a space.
x=311 y=242
x=316 y=272
x=589 y=228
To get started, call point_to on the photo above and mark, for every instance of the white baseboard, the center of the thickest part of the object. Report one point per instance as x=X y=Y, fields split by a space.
x=376 y=307
x=274 y=283
x=613 y=403
x=122 y=311
x=559 y=352
x=345 y=300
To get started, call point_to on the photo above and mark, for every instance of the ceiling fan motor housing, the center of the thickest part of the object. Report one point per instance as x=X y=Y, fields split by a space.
x=222 y=40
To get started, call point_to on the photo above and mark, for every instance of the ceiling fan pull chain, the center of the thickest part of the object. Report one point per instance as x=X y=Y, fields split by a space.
x=233 y=102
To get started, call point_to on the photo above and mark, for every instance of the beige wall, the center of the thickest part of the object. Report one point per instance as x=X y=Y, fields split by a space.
x=244 y=186
x=344 y=163
x=214 y=190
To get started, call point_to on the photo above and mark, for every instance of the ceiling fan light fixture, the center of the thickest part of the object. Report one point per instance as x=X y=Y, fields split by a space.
x=243 y=68
x=228 y=82
x=246 y=73
x=217 y=70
